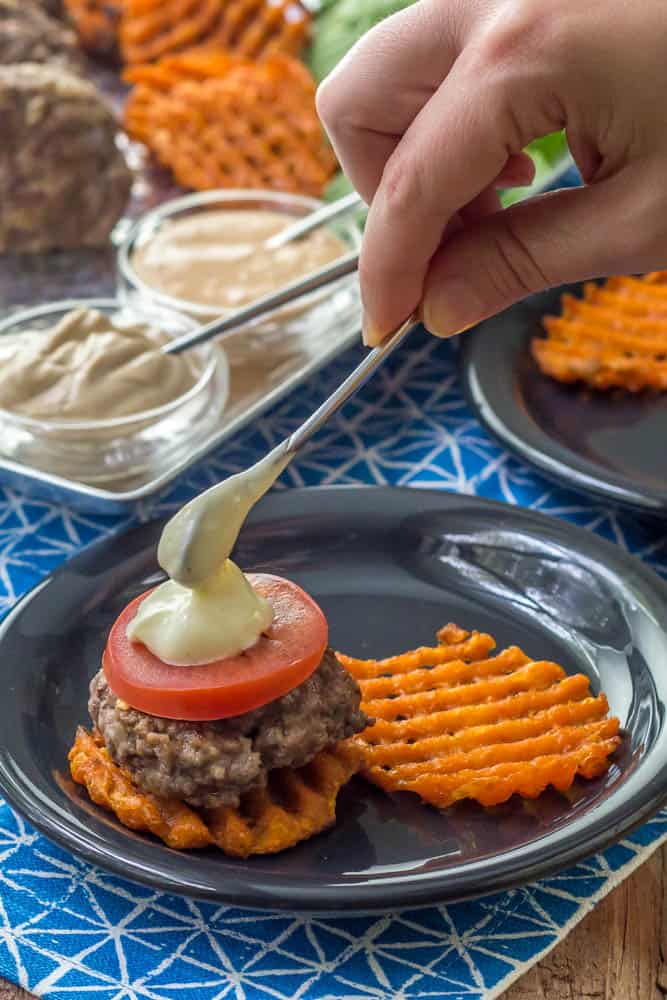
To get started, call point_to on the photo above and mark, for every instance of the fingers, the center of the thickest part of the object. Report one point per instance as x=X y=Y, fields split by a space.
x=455 y=148
x=373 y=95
x=519 y=171
x=377 y=94
x=557 y=238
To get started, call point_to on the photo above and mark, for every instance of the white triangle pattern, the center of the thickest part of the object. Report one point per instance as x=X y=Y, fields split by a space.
x=70 y=930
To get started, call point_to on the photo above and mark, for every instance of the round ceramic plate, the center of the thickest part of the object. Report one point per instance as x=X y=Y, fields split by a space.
x=610 y=444
x=389 y=568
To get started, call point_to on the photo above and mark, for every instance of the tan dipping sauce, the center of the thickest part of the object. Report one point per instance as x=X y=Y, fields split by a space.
x=218 y=258
x=90 y=368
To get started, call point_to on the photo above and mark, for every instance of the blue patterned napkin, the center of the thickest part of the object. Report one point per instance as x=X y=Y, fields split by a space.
x=70 y=930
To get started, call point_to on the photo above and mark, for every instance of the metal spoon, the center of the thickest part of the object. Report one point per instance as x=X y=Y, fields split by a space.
x=314 y=220
x=197 y=540
x=354 y=381
x=337 y=269
x=227 y=326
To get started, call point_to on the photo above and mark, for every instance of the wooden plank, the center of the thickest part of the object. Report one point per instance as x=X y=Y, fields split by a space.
x=619 y=952
x=616 y=953
x=9 y=992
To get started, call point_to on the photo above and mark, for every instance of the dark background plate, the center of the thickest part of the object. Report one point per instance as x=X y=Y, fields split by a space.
x=611 y=444
x=389 y=567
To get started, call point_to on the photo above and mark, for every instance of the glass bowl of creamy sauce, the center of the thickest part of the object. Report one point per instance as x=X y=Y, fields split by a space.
x=205 y=255
x=88 y=394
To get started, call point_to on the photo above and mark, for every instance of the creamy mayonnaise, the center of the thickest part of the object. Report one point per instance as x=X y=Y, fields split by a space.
x=218 y=258
x=220 y=618
x=207 y=610
x=201 y=536
x=89 y=367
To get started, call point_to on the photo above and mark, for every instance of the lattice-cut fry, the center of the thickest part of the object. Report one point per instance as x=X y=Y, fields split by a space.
x=615 y=337
x=452 y=722
x=218 y=121
x=152 y=29
x=96 y=23
x=296 y=804
x=112 y=788
x=198 y=65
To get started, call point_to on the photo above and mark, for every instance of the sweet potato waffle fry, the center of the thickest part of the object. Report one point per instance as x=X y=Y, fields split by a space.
x=96 y=23
x=218 y=121
x=615 y=337
x=296 y=804
x=454 y=722
x=151 y=29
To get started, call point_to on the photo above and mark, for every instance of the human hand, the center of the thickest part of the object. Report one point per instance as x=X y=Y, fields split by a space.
x=430 y=111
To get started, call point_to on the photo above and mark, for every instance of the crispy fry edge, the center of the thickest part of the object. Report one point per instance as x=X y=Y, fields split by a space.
x=295 y=805
x=453 y=722
x=615 y=337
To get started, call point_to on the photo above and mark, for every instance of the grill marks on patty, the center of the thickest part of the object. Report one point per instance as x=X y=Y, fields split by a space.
x=208 y=764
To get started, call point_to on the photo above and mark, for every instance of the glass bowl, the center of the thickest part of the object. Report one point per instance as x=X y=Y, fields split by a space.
x=319 y=315
x=114 y=450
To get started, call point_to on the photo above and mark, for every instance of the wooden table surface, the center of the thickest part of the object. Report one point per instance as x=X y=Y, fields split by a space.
x=618 y=952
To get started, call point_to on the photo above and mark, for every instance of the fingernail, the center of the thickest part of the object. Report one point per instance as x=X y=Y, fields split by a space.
x=451 y=307
x=370 y=334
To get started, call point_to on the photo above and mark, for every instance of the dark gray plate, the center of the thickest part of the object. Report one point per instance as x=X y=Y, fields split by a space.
x=610 y=444
x=389 y=567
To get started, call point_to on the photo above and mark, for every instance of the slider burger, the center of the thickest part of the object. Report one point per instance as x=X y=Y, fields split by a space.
x=219 y=710
x=213 y=735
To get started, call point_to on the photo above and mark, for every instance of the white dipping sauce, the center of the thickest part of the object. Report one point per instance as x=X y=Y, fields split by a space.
x=207 y=610
x=200 y=537
x=219 y=619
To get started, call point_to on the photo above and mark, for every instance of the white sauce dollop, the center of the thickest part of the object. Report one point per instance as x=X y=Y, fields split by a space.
x=200 y=537
x=208 y=609
x=187 y=626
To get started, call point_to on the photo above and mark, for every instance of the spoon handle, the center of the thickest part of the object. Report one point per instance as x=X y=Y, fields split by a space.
x=181 y=552
x=314 y=220
x=347 y=388
x=228 y=325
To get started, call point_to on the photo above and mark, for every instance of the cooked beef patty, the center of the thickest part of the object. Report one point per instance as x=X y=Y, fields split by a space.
x=63 y=180
x=54 y=8
x=212 y=763
x=28 y=34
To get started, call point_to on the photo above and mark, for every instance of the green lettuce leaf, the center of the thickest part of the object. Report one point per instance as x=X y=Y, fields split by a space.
x=341 y=23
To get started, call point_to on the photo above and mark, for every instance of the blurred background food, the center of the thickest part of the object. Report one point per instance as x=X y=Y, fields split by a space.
x=614 y=337
x=218 y=258
x=217 y=93
x=114 y=111
x=53 y=7
x=223 y=121
x=63 y=180
x=29 y=34
x=152 y=29
x=96 y=23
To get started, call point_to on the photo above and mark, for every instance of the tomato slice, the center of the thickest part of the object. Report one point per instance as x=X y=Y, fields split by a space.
x=277 y=663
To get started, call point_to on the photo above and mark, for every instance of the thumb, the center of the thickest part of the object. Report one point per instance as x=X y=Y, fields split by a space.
x=552 y=239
